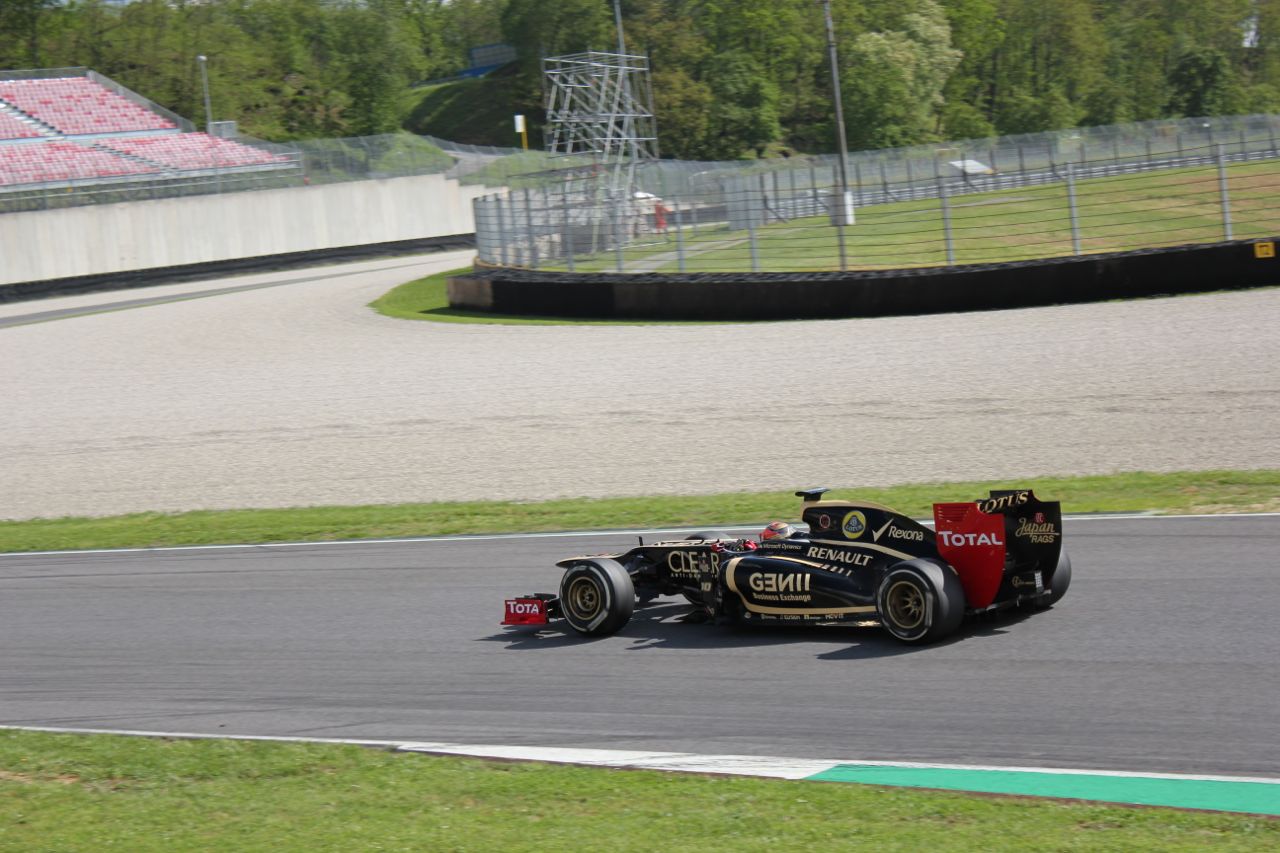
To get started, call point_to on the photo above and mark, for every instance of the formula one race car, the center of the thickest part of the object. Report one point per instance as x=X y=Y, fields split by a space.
x=857 y=562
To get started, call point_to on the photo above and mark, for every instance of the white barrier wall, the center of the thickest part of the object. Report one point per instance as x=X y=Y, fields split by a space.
x=139 y=235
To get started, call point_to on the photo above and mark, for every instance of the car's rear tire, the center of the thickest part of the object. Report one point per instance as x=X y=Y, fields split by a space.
x=597 y=596
x=1059 y=582
x=920 y=601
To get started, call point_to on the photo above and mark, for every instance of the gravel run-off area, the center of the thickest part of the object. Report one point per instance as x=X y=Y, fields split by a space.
x=299 y=394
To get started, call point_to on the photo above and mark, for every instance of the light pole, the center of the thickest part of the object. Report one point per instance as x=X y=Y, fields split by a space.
x=617 y=19
x=204 y=79
x=844 y=209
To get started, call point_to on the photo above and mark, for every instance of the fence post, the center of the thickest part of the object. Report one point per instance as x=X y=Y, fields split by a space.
x=755 y=248
x=528 y=223
x=1223 y=195
x=813 y=189
x=617 y=236
x=679 y=214
x=837 y=211
x=502 y=230
x=568 y=231
x=946 y=221
x=1075 y=213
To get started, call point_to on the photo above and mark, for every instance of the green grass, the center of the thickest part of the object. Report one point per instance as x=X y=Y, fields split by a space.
x=475 y=112
x=426 y=299
x=92 y=793
x=1192 y=492
x=1115 y=214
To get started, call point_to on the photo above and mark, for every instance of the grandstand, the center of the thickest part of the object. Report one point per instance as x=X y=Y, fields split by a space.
x=63 y=127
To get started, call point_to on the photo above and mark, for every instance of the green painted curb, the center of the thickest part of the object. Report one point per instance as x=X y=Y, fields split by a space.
x=1190 y=793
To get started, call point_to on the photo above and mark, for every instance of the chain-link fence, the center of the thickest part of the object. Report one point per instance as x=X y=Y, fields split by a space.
x=1013 y=198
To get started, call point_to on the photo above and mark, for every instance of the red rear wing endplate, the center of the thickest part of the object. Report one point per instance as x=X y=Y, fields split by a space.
x=973 y=542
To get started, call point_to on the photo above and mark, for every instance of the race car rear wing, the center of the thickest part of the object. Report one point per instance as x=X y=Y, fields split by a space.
x=1012 y=531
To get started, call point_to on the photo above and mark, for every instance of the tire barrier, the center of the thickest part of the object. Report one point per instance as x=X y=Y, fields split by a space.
x=1196 y=268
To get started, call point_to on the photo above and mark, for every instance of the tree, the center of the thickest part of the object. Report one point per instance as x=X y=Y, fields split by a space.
x=744 y=107
x=1204 y=84
x=893 y=81
x=21 y=28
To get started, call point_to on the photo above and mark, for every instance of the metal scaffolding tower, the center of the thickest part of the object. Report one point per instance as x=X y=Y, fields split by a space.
x=601 y=104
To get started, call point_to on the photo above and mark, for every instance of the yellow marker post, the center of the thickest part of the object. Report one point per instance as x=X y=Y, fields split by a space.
x=523 y=131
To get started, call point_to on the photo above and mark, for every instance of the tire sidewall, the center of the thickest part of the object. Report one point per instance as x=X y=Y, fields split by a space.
x=1061 y=580
x=943 y=600
x=615 y=595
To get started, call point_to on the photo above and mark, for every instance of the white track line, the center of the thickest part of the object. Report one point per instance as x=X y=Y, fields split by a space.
x=684 y=762
x=572 y=534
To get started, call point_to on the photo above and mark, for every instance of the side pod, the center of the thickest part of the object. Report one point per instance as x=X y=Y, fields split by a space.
x=974 y=543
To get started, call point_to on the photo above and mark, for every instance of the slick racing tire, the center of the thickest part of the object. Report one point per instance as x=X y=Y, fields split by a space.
x=920 y=601
x=597 y=597
x=1059 y=582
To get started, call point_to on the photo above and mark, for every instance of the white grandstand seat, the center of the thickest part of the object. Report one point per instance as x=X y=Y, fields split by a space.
x=55 y=161
x=194 y=151
x=14 y=128
x=77 y=105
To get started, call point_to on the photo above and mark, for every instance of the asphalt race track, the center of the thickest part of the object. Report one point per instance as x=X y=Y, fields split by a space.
x=1162 y=657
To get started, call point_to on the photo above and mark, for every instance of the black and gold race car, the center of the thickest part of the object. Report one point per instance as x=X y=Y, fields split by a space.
x=857 y=562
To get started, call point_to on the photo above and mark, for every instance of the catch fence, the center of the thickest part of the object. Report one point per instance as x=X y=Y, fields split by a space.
x=1014 y=198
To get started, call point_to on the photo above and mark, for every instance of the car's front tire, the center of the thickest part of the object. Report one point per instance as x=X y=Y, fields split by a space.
x=597 y=597
x=920 y=601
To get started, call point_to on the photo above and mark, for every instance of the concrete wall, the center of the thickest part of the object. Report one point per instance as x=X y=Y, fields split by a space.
x=110 y=238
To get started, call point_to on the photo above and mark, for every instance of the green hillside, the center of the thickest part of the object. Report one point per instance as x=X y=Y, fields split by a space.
x=477 y=112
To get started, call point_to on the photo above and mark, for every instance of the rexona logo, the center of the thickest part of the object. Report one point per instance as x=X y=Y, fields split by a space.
x=833 y=555
x=854 y=524
x=962 y=539
x=772 y=582
x=892 y=531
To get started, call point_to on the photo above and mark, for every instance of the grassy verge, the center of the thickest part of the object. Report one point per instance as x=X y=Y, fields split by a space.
x=426 y=299
x=1117 y=213
x=475 y=112
x=60 y=792
x=1190 y=492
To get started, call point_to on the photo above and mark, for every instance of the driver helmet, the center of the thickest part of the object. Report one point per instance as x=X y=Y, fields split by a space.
x=777 y=530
